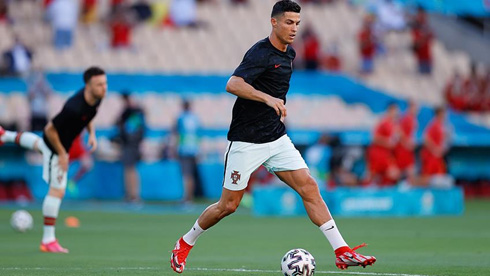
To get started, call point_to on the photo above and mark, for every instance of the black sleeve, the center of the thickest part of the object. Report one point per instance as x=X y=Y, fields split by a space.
x=253 y=64
x=64 y=117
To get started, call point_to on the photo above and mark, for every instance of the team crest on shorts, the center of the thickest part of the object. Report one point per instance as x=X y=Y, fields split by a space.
x=235 y=176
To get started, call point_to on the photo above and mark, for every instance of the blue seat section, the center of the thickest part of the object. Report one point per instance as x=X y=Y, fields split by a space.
x=8 y=84
x=211 y=175
x=283 y=201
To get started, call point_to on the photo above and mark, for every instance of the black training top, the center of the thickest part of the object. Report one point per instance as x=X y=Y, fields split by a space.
x=268 y=70
x=73 y=118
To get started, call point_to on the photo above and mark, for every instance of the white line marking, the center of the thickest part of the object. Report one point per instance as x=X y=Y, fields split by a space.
x=316 y=272
x=244 y=270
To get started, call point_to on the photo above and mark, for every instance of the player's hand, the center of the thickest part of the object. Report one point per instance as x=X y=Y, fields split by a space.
x=63 y=162
x=92 y=142
x=278 y=105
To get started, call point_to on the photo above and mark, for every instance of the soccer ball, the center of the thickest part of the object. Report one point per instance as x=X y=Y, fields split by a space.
x=21 y=221
x=298 y=262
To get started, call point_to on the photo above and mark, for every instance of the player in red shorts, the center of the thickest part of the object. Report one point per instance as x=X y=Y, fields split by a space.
x=432 y=153
x=382 y=167
x=404 y=149
x=79 y=153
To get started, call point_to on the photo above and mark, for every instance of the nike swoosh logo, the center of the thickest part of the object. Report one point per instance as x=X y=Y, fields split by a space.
x=330 y=228
x=277 y=65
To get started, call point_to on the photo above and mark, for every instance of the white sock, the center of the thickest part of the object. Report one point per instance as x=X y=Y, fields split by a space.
x=191 y=236
x=8 y=136
x=28 y=140
x=330 y=230
x=51 y=207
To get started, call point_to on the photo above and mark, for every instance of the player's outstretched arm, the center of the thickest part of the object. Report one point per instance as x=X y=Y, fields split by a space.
x=54 y=139
x=238 y=87
x=92 y=139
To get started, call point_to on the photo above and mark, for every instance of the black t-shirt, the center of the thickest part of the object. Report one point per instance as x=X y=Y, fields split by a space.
x=132 y=126
x=268 y=70
x=73 y=118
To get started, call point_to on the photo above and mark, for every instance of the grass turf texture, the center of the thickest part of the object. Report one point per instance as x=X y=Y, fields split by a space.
x=115 y=243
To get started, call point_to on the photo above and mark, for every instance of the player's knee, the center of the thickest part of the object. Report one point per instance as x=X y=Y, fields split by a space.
x=59 y=193
x=229 y=208
x=309 y=190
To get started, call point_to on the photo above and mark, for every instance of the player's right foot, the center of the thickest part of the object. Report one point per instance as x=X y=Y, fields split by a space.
x=349 y=257
x=2 y=131
x=179 y=255
x=53 y=247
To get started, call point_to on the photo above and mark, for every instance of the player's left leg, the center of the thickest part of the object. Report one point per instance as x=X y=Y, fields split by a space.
x=286 y=162
x=26 y=140
x=56 y=179
x=302 y=182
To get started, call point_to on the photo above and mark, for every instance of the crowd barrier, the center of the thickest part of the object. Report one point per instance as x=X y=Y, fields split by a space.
x=392 y=201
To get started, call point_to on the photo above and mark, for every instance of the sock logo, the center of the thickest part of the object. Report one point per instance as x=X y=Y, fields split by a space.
x=330 y=228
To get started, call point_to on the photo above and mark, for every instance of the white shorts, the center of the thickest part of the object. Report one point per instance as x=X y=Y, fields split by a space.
x=52 y=173
x=242 y=159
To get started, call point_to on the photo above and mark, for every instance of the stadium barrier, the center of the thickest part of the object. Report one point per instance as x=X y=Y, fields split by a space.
x=392 y=201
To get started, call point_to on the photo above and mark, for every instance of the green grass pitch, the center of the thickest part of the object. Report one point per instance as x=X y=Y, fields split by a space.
x=138 y=243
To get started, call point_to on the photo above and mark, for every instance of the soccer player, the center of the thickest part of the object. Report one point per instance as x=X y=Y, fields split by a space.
x=58 y=136
x=404 y=150
x=382 y=168
x=257 y=136
x=432 y=153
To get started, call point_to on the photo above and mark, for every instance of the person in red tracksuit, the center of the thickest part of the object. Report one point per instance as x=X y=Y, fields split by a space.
x=405 y=149
x=382 y=167
x=432 y=153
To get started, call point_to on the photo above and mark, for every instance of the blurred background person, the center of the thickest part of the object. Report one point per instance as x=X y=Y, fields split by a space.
x=142 y=10
x=382 y=167
x=331 y=60
x=63 y=15
x=422 y=47
x=404 y=151
x=121 y=27
x=131 y=125
x=3 y=11
x=432 y=155
x=183 y=13
x=454 y=92
x=367 y=45
x=39 y=90
x=311 y=48
x=343 y=164
x=78 y=152
x=89 y=11
x=318 y=157
x=17 y=60
x=186 y=130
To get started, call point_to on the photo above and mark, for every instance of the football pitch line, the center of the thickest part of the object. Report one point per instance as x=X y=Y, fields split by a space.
x=242 y=270
x=316 y=272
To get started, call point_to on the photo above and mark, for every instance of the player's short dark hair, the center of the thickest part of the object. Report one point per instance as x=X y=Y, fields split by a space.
x=92 y=72
x=283 y=6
